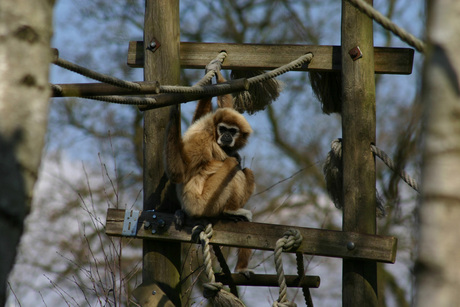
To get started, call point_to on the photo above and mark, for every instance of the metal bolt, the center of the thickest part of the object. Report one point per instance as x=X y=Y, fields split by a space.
x=153 y=45
x=147 y=225
x=355 y=53
x=161 y=223
x=154 y=216
x=350 y=246
x=154 y=292
x=154 y=231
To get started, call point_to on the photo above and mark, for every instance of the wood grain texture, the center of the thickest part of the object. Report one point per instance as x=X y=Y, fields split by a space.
x=161 y=262
x=263 y=236
x=359 y=285
x=268 y=57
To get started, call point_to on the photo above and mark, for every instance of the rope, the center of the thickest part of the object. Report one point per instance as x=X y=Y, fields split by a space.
x=211 y=69
x=225 y=269
x=306 y=58
x=198 y=89
x=133 y=101
x=213 y=290
x=96 y=75
x=301 y=274
x=387 y=160
x=389 y=25
x=291 y=240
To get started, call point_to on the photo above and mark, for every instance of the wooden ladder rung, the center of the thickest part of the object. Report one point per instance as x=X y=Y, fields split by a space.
x=268 y=280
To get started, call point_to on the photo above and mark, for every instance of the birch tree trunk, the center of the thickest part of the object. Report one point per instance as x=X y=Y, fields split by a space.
x=438 y=269
x=25 y=33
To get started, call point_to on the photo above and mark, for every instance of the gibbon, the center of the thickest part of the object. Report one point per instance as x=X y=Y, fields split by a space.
x=205 y=164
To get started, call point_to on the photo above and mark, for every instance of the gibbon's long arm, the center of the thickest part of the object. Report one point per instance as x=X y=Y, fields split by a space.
x=203 y=107
x=175 y=163
x=224 y=101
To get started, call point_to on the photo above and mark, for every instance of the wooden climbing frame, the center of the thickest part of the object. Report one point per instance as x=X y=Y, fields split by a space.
x=161 y=54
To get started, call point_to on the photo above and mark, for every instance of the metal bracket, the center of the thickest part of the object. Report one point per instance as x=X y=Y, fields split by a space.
x=130 y=223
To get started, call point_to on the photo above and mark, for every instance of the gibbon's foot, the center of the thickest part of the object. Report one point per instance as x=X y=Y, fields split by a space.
x=240 y=215
x=179 y=219
x=246 y=273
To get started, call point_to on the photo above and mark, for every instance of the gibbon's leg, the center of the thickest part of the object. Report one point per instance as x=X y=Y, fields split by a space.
x=207 y=195
x=173 y=154
x=250 y=184
x=203 y=107
x=224 y=101
x=241 y=196
x=244 y=254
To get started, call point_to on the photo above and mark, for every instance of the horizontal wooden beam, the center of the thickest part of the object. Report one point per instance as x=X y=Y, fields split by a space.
x=268 y=57
x=320 y=242
x=268 y=280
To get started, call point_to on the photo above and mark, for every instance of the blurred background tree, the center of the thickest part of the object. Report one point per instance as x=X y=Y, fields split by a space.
x=94 y=151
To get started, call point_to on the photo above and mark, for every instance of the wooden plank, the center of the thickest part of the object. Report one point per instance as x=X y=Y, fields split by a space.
x=268 y=280
x=268 y=57
x=263 y=236
x=359 y=284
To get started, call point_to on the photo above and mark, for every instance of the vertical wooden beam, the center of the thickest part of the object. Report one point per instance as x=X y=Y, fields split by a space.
x=358 y=128
x=161 y=261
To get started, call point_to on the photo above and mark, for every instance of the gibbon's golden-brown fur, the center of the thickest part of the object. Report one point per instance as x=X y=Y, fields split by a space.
x=205 y=164
x=209 y=178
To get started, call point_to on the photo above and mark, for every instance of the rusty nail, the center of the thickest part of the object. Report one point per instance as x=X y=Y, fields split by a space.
x=355 y=53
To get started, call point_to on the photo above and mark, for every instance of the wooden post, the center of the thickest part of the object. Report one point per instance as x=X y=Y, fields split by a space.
x=161 y=261
x=358 y=128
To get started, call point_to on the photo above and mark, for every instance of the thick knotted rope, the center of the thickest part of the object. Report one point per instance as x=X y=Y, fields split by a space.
x=291 y=240
x=263 y=87
x=333 y=173
x=213 y=290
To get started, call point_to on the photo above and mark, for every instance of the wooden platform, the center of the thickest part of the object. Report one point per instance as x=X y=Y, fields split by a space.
x=262 y=236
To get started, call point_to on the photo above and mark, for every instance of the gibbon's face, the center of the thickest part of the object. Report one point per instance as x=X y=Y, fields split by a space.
x=227 y=135
x=231 y=129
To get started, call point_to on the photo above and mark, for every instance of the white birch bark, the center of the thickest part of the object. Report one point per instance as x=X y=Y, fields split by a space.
x=438 y=268
x=25 y=33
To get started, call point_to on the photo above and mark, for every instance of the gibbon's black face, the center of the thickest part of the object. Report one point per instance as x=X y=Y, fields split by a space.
x=227 y=135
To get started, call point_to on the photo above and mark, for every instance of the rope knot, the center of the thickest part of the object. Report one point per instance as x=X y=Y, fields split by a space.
x=284 y=304
x=211 y=289
x=292 y=239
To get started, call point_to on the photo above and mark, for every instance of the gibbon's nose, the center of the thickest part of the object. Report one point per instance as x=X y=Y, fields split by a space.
x=226 y=139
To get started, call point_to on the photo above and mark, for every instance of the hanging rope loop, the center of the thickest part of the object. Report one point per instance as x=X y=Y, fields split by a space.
x=213 y=290
x=290 y=241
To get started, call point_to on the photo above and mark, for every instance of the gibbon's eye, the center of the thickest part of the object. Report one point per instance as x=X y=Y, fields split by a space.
x=222 y=129
x=233 y=131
